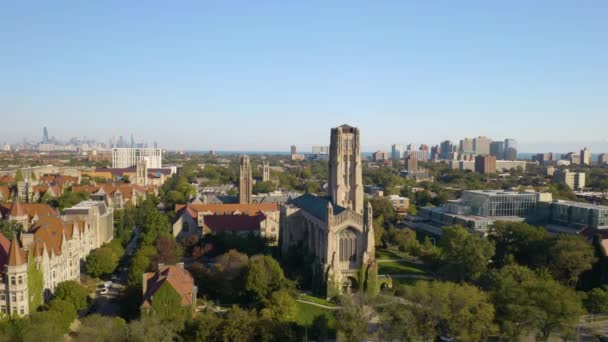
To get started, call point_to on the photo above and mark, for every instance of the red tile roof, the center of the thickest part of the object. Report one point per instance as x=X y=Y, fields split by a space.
x=16 y=257
x=180 y=279
x=233 y=223
x=227 y=209
x=7 y=179
x=32 y=209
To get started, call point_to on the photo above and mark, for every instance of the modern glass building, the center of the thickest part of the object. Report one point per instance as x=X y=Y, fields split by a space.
x=496 y=203
x=579 y=214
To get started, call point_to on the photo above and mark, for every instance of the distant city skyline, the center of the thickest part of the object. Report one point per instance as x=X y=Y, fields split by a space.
x=264 y=76
x=557 y=147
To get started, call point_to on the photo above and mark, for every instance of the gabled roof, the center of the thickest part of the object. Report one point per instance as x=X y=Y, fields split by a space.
x=233 y=223
x=227 y=209
x=7 y=179
x=180 y=279
x=17 y=209
x=16 y=257
x=316 y=206
x=32 y=209
x=49 y=230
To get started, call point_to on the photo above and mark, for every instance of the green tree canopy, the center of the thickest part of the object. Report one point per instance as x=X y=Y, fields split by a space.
x=72 y=292
x=448 y=309
x=528 y=302
x=101 y=261
x=263 y=276
x=465 y=256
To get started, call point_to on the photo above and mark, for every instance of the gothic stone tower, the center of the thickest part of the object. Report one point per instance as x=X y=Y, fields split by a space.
x=345 y=186
x=245 y=181
x=141 y=173
x=265 y=171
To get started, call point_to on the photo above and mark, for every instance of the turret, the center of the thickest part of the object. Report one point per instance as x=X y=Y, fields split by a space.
x=18 y=213
x=16 y=276
x=329 y=212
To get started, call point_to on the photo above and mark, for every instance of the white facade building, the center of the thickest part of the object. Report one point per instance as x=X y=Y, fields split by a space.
x=128 y=157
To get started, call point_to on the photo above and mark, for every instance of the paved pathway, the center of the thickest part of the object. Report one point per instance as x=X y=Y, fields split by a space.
x=320 y=305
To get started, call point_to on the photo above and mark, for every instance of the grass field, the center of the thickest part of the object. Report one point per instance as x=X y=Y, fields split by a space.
x=400 y=267
x=391 y=254
x=307 y=314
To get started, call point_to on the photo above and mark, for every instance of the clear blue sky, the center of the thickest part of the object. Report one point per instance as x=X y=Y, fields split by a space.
x=262 y=75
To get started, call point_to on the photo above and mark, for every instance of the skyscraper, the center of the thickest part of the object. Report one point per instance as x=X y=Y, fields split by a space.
x=497 y=149
x=396 y=151
x=293 y=149
x=446 y=149
x=481 y=145
x=45 y=135
x=245 y=181
x=345 y=175
x=585 y=156
x=411 y=163
x=466 y=145
x=510 y=149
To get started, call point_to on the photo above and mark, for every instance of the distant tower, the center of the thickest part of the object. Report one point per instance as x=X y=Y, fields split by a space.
x=18 y=214
x=45 y=135
x=132 y=141
x=345 y=186
x=141 y=172
x=16 y=280
x=245 y=181
x=293 y=149
x=265 y=171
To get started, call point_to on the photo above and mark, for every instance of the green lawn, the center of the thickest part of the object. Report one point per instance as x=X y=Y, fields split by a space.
x=307 y=314
x=390 y=254
x=400 y=267
x=317 y=300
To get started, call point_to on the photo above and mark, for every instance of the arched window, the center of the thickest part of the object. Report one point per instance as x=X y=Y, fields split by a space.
x=20 y=280
x=13 y=281
x=348 y=245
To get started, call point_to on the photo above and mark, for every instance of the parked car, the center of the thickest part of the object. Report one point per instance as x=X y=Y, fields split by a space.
x=107 y=284
x=105 y=290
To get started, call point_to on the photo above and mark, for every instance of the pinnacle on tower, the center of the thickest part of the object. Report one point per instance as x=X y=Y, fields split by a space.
x=15 y=254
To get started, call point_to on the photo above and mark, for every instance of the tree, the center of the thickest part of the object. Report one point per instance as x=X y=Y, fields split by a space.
x=448 y=309
x=399 y=323
x=320 y=328
x=526 y=243
x=465 y=256
x=101 y=328
x=169 y=251
x=570 y=255
x=239 y=325
x=155 y=225
x=101 y=261
x=150 y=328
x=412 y=210
x=140 y=264
x=263 y=276
x=351 y=321
x=72 y=292
x=596 y=301
x=65 y=311
x=263 y=187
x=281 y=306
x=204 y=327
x=528 y=302
x=10 y=228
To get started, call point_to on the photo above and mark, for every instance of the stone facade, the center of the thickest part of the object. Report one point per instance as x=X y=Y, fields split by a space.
x=337 y=231
x=56 y=245
x=245 y=181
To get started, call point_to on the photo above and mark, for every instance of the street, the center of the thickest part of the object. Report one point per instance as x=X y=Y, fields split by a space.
x=106 y=304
